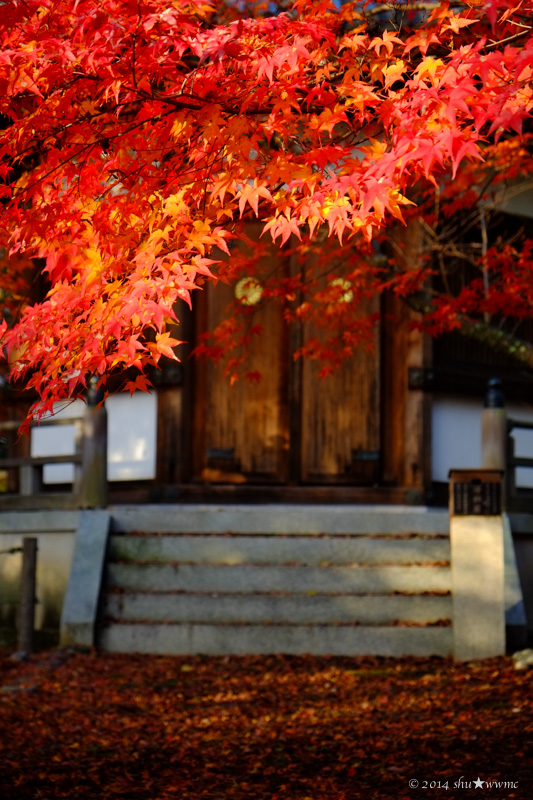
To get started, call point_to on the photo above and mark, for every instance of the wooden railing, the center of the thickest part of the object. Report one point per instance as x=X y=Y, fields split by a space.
x=498 y=447
x=517 y=497
x=30 y=468
x=89 y=487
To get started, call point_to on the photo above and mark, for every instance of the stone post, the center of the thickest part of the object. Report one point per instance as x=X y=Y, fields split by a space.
x=478 y=564
x=27 y=594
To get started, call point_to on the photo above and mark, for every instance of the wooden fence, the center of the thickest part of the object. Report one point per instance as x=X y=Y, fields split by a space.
x=89 y=488
x=518 y=498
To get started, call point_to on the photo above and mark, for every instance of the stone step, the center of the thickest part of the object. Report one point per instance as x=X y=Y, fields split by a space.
x=292 y=609
x=329 y=640
x=248 y=578
x=280 y=549
x=279 y=518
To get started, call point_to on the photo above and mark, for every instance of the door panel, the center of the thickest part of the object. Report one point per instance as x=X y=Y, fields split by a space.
x=340 y=428
x=245 y=426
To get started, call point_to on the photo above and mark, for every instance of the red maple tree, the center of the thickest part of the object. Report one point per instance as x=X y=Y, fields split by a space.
x=138 y=137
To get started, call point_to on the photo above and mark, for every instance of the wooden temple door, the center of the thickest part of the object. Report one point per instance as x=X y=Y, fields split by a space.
x=292 y=427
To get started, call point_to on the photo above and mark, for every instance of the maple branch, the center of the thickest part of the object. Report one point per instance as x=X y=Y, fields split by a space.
x=497 y=339
x=481 y=331
x=399 y=6
x=173 y=100
x=54 y=169
x=444 y=245
x=89 y=146
x=515 y=37
x=134 y=44
x=443 y=273
x=484 y=247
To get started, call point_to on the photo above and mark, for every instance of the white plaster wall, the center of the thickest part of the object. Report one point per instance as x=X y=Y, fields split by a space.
x=456 y=436
x=132 y=429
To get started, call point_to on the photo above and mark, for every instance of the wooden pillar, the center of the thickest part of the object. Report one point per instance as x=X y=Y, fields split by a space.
x=175 y=408
x=19 y=446
x=169 y=466
x=93 y=488
x=406 y=406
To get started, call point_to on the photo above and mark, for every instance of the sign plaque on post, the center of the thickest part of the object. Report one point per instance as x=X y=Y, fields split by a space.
x=477 y=495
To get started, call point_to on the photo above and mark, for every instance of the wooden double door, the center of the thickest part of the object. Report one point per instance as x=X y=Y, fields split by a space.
x=292 y=426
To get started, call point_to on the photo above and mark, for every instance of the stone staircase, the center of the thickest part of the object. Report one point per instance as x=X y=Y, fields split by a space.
x=331 y=580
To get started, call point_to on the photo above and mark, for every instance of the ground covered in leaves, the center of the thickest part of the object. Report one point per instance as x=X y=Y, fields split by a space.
x=89 y=725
